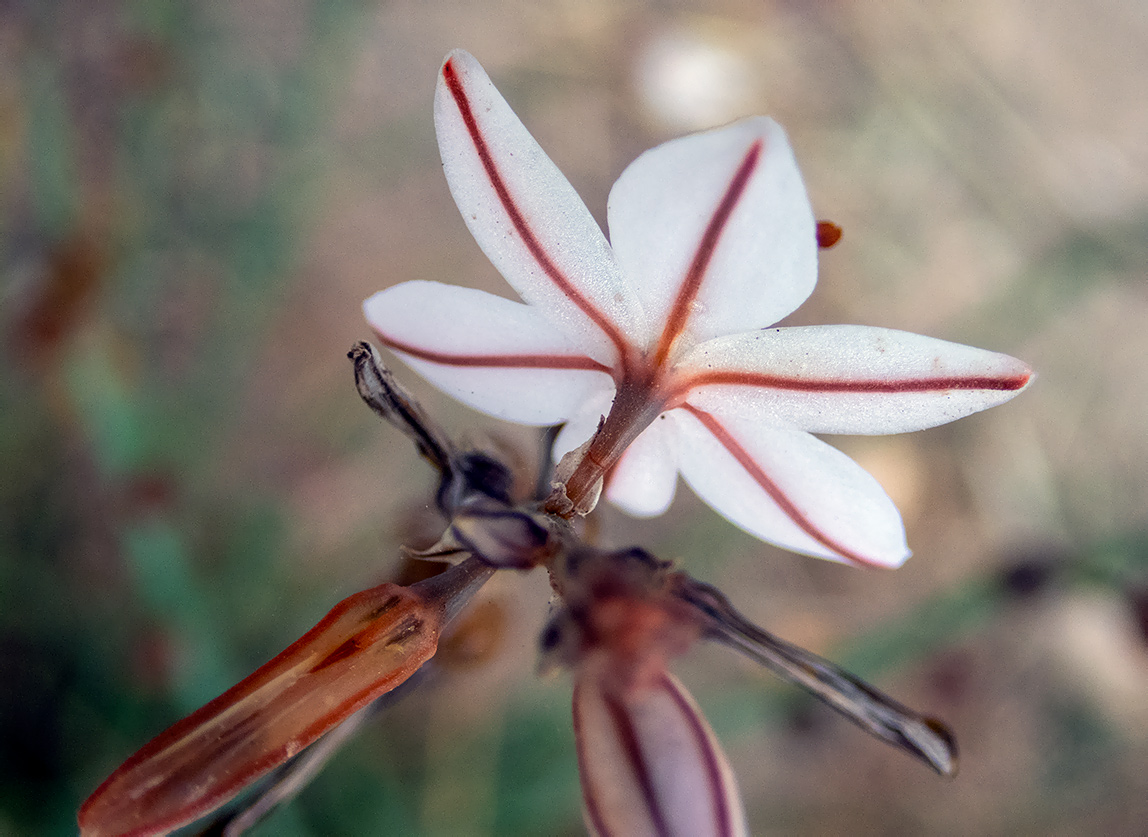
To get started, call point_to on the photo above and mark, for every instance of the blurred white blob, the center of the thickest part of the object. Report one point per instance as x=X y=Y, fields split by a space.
x=690 y=80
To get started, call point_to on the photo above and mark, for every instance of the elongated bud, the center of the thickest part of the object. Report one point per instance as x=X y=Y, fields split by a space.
x=367 y=645
x=649 y=762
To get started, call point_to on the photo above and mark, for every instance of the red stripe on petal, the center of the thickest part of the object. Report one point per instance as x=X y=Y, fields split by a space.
x=628 y=737
x=765 y=380
x=691 y=286
x=787 y=506
x=705 y=745
x=497 y=361
x=458 y=93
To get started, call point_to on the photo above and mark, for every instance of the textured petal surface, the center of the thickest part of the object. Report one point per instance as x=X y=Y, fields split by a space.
x=650 y=765
x=644 y=480
x=498 y=356
x=848 y=379
x=789 y=488
x=525 y=214
x=715 y=230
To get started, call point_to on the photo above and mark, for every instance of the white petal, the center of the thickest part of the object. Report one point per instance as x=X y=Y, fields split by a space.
x=643 y=481
x=678 y=201
x=650 y=764
x=582 y=424
x=498 y=356
x=848 y=379
x=526 y=216
x=789 y=488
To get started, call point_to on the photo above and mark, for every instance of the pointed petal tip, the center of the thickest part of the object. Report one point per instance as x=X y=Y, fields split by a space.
x=457 y=56
x=1012 y=377
x=1012 y=374
x=894 y=562
x=371 y=304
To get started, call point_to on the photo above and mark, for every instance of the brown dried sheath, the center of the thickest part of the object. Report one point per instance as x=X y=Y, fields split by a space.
x=367 y=645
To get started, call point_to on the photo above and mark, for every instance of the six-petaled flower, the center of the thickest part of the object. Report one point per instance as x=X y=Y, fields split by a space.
x=665 y=331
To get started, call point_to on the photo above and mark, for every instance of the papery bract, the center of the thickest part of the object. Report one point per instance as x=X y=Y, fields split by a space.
x=664 y=331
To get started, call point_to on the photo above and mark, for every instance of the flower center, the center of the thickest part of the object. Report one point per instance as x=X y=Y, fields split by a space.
x=640 y=397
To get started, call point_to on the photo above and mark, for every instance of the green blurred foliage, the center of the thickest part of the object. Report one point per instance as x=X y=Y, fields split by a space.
x=117 y=552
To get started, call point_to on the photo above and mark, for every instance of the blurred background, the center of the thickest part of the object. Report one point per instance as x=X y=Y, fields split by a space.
x=196 y=197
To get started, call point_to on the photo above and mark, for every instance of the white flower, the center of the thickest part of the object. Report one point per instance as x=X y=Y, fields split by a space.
x=665 y=330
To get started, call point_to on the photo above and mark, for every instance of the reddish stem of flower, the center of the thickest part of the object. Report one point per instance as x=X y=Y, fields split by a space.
x=636 y=404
